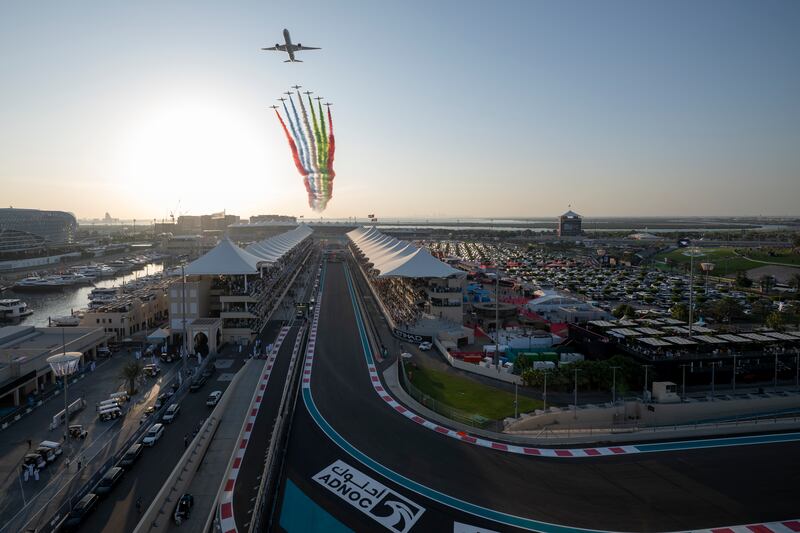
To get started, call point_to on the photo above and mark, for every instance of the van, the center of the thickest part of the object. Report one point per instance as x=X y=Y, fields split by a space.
x=121 y=396
x=34 y=459
x=105 y=404
x=47 y=453
x=171 y=414
x=55 y=446
x=213 y=398
x=110 y=413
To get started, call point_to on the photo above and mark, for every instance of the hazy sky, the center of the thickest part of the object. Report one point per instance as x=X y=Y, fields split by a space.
x=461 y=108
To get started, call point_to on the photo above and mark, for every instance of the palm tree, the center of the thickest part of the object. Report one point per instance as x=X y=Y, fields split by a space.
x=767 y=282
x=131 y=373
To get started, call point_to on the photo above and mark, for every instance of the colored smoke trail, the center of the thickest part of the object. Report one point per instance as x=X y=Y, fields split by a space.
x=293 y=128
x=312 y=145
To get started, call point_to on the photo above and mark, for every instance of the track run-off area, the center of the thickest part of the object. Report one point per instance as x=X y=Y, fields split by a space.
x=448 y=477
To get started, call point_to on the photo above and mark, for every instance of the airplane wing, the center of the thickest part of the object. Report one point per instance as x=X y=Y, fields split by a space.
x=279 y=48
x=301 y=47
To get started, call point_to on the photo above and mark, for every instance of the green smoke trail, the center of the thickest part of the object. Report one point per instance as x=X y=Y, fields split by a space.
x=316 y=131
x=323 y=156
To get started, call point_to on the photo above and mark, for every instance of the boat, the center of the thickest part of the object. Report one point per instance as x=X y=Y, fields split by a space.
x=13 y=309
x=65 y=321
x=103 y=295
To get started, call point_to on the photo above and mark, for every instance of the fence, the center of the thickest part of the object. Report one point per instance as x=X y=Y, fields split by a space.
x=470 y=419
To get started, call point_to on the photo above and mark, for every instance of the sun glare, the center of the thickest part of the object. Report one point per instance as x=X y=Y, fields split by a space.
x=203 y=153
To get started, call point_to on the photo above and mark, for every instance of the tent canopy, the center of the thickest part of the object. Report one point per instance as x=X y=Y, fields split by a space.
x=395 y=258
x=224 y=258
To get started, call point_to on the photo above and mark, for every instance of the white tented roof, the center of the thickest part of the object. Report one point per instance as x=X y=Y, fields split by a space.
x=227 y=258
x=395 y=258
x=224 y=258
x=274 y=248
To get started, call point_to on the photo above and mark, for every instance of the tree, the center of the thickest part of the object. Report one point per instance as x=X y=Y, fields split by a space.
x=623 y=310
x=766 y=282
x=131 y=373
x=775 y=320
x=680 y=311
x=742 y=280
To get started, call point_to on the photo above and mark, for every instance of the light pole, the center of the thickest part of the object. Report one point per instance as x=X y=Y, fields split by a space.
x=614 y=384
x=683 y=383
x=516 y=403
x=775 y=378
x=797 y=368
x=64 y=365
x=544 y=394
x=644 y=392
x=184 y=350
x=734 y=374
x=575 y=406
x=691 y=289
x=713 y=381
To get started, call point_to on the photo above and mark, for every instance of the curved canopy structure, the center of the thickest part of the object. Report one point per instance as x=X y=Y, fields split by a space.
x=228 y=259
x=395 y=258
x=271 y=250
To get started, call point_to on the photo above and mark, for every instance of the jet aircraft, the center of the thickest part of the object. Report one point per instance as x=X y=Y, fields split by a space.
x=289 y=48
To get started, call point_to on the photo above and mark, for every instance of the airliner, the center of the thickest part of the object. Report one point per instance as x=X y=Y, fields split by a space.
x=289 y=48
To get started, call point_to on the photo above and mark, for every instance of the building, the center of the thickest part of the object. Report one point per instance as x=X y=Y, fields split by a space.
x=556 y=307
x=217 y=221
x=273 y=218
x=26 y=231
x=132 y=314
x=569 y=225
x=23 y=357
x=229 y=291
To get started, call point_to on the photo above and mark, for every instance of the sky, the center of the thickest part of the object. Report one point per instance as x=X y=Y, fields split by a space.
x=441 y=109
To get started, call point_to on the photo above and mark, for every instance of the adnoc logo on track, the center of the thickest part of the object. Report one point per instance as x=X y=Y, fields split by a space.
x=382 y=504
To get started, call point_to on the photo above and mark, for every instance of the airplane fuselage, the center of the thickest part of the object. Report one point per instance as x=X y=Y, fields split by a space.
x=288 y=41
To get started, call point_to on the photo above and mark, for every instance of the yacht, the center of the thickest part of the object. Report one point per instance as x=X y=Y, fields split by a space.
x=65 y=321
x=13 y=309
x=100 y=295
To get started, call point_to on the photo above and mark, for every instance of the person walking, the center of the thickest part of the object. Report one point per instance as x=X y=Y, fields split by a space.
x=25 y=475
x=36 y=474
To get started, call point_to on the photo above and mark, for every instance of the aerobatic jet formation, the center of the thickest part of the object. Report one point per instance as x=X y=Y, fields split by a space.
x=289 y=48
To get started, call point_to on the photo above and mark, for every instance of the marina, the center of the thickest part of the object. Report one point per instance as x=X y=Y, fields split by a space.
x=59 y=303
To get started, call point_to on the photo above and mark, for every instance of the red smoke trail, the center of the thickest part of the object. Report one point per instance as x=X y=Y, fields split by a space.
x=293 y=146
x=332 y=145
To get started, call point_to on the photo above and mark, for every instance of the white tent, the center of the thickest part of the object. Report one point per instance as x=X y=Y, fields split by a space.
x=224 y=258
x=395 y=258
x=158 y=335
x=271 y=250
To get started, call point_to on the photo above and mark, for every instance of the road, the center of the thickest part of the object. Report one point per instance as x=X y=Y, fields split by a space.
x=117 y=512
x=647 y=492
x=56 y=481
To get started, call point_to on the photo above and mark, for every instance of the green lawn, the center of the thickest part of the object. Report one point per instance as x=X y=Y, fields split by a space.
x=468 y=395
x=726 y=261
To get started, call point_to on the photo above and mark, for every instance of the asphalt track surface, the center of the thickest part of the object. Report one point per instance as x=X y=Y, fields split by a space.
x=644 y=492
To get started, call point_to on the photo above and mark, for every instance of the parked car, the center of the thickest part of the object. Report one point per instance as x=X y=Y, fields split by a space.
x=183 y=508
x=151 y=370
x=109 y=481
x=82 y=509
x=197 y=383
x=153 y=434
x=213 y=398
x=131 y=455
x=103 y=352
x=110 y=413
x=171 y=414
x=167 y=357
x=76 y=431
x=425 y=346
x=149 y=411
x=161 y=400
